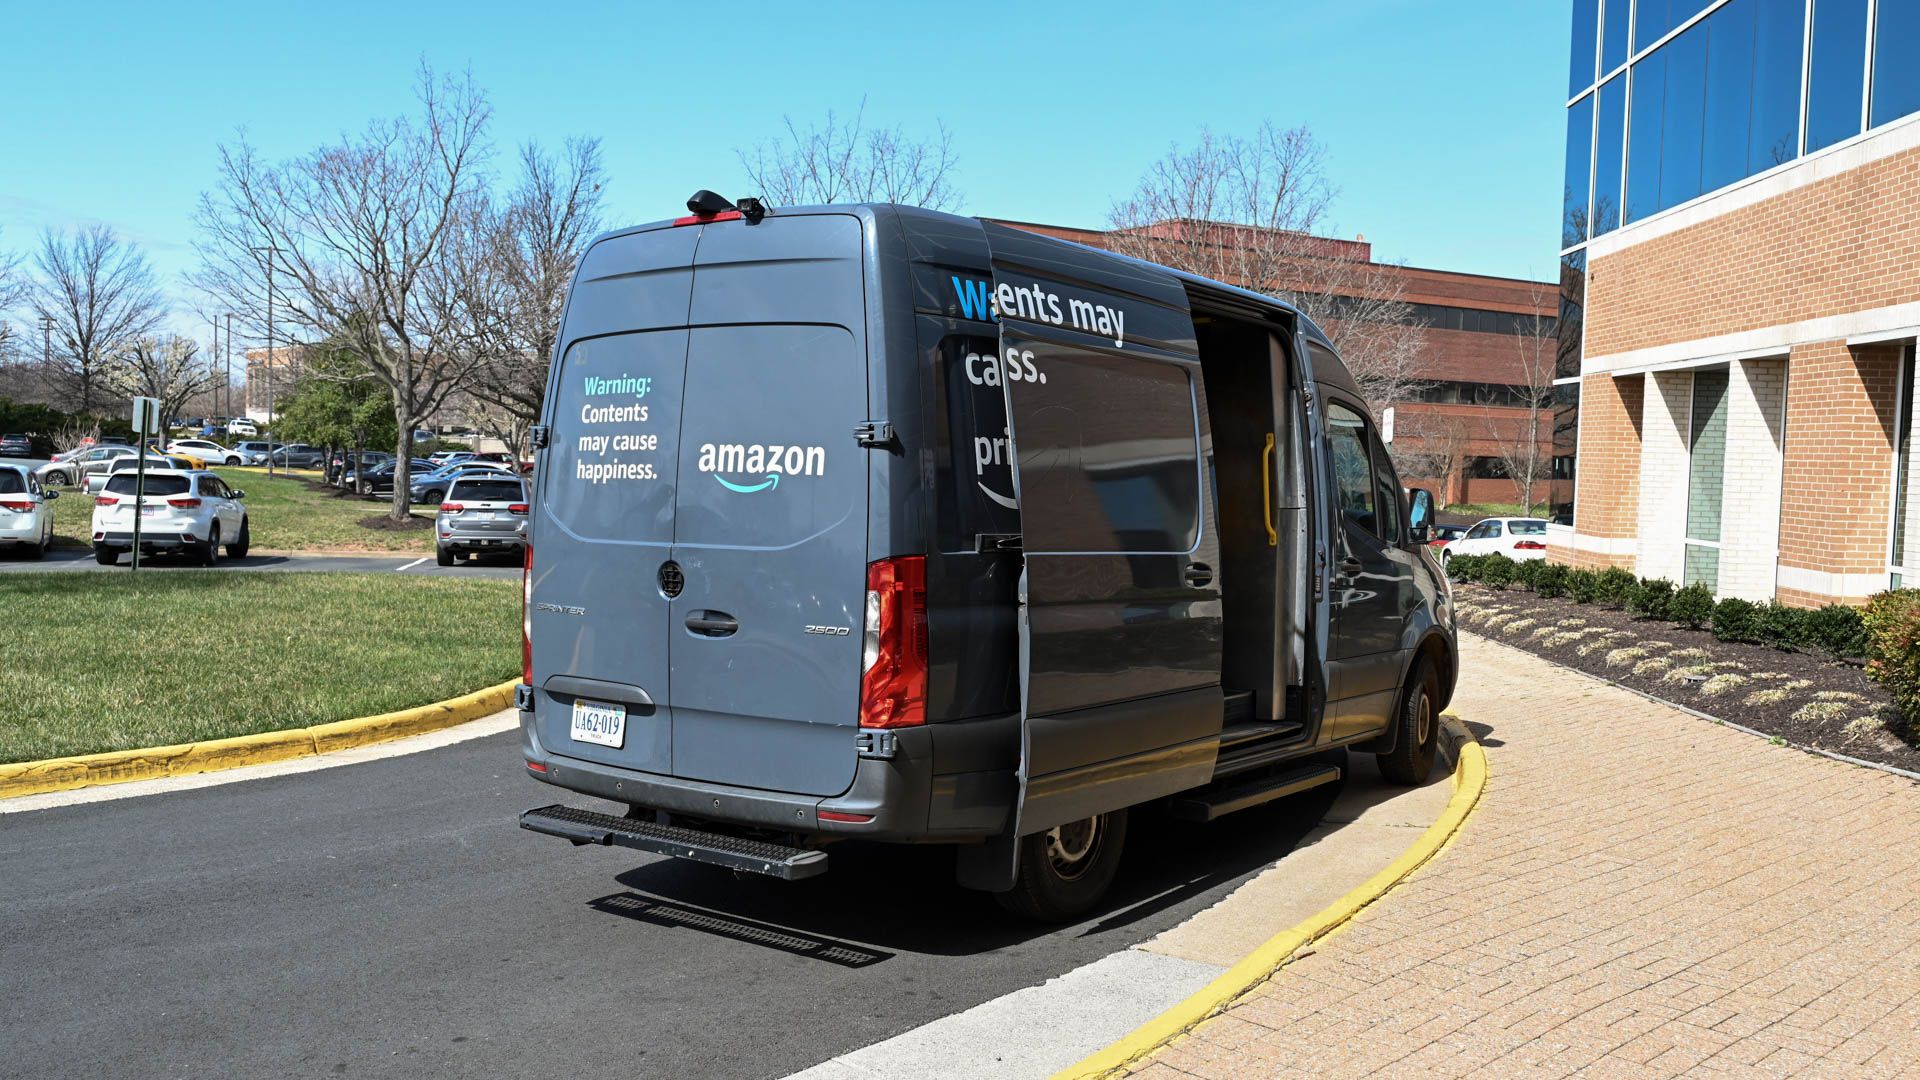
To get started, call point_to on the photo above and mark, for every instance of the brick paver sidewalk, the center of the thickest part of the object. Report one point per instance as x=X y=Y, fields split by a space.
x=1640 y=893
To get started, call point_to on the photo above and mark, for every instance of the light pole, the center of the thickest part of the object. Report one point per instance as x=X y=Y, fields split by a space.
x=228 y=357
x=271 y=252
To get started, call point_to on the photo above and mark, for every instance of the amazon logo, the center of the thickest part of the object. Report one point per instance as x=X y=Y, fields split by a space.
x=750 y=467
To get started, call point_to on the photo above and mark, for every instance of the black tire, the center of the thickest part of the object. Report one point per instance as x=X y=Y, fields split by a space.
x=104 y=555
x=238 y=549
x=1418 y=741
x=434 y=497
x=210 y=551
x=39 y=550
x=442 y=556
x=1063 y=872
x=232 y=460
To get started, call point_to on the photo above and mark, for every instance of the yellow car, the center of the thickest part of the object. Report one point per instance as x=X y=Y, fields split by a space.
x=190 y=462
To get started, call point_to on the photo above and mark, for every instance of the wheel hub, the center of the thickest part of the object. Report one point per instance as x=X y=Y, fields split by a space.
x=1426 y=718
x=1070 y=847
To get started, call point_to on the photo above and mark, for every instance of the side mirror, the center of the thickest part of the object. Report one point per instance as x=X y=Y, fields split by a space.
x=239 y=494
x=1420 y=515
x=49 y=494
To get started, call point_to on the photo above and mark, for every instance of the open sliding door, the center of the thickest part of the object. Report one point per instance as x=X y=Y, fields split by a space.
x=1120 y=619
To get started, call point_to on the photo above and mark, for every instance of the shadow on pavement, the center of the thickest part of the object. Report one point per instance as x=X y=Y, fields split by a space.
x=903 y=897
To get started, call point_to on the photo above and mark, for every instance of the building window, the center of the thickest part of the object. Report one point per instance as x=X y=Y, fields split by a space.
x=1904 y=552
x=1896 y=74
x=1573 y=225
x=1609 y=146
x=1706 y=476
x=1586 y=16
x=1838 y=68
x=1613 y=34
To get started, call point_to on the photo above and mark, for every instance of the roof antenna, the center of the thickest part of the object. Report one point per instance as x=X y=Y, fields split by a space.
x=705 y=203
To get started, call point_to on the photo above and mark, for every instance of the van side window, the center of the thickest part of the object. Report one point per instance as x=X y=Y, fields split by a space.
x=1387 y=494
x=1352 y=468
x=975 y=477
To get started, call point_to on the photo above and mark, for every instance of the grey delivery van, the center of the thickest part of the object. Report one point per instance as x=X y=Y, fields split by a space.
x=869 y=522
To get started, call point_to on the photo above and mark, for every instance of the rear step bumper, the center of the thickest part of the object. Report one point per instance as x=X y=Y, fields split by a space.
x=732 y=852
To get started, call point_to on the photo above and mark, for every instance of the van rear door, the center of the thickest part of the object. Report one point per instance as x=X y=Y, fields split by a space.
x=1120 y=616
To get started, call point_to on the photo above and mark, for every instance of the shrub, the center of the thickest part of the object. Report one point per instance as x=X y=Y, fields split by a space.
x=1616 y=586
x=1583 y=586
x=1464 y=567
x=1651 y=598
x=1528 y=571
x=1892 y=624
x=1839 y=629
x=1781 y=626
x=1496 y=571
x=1735 y=619
x=1550 y=580
x=1691 y=606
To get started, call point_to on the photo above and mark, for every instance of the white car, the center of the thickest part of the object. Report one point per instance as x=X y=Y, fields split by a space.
x=26 y=521
x=191 y=512
x=1518 y=538
x=242 y=426
x=206 y=450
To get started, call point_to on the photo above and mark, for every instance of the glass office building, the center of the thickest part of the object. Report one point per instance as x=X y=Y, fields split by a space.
x=1740 y=253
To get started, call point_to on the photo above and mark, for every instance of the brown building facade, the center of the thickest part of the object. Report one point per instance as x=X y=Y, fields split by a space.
x=1741 y=318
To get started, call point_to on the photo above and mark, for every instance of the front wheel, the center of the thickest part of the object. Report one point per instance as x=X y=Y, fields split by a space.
x=1066 y=870
x=232 y=460
x=1418 y=739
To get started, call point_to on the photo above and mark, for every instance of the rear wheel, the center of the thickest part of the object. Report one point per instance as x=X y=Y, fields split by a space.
x=442 y=556
x=39 y=550
x=210 y=551
x=1419 y=736
x=238 y=549
x=104 y=555
x=1066 y=870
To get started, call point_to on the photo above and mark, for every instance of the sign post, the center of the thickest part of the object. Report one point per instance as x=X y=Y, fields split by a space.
x=146 y=416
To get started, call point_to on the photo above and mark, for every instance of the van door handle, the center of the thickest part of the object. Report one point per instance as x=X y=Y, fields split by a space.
x=1198 y=574
x=712 y=623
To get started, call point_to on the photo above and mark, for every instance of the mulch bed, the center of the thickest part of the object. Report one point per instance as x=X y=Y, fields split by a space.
x=1801 y=697
x=383 y=523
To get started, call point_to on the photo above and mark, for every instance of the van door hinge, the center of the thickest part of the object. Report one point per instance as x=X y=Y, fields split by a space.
x=875 y=435
x=538 y=435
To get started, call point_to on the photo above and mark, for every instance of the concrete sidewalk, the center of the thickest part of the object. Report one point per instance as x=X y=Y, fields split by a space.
x=1639 y=894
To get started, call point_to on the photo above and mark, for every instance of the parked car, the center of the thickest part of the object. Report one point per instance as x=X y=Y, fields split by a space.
x=481 y=514
x=240 y=425
x=206 y=450
x=380 y=477
x=1517 y=538
x=298 y=456
x=183 y=511
x=75 y=470
x=129 y=463
x=449 y=457
x=16 y=446
x=26 y=519
x=1444 y=533
x=432 y=487
x=343 y=463
x=255 y=453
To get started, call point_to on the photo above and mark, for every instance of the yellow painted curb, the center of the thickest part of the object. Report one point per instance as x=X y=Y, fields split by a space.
x=122 y=766
x=1469 y=781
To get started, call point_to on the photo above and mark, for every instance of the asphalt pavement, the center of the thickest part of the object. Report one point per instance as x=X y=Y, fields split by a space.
x=391 y=919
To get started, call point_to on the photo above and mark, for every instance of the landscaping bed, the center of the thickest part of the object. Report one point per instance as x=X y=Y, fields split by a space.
x=122 y=661
x=1798 y=693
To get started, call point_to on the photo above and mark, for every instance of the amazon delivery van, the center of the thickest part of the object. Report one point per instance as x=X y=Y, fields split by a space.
x=873 y=523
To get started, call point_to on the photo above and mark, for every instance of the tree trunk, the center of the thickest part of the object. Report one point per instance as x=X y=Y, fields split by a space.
x=402 y=462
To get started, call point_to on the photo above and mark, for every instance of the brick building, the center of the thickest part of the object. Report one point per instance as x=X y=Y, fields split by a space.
x=270 y=376
x=1469 y=405
x=1739 y=296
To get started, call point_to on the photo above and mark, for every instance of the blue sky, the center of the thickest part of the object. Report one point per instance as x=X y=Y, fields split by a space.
x=1442 y=119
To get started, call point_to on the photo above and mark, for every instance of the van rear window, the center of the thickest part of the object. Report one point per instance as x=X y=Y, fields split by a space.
x=485 y=491
x=124 y=484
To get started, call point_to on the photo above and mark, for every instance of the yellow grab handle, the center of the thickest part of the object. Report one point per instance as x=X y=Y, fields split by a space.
x=1266 y=490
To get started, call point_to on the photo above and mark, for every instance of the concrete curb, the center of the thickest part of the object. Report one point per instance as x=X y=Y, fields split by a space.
x=122 y=766
x=1469 y=782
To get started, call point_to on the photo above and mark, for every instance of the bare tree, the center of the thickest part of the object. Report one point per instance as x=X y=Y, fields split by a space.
x=1245 y=211
x=515 y=288
x=846 y=162
x=1430 y=446
x=364 y=242
x=12 y=289
x=169 y=368
x=97 y=294
x=1517 y=442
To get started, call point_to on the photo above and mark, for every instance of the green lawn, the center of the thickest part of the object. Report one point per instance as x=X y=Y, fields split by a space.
x=283 y=512
x=95 y=661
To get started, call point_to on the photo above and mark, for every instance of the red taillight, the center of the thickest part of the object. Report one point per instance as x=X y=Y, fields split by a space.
x=1529 y=545
x=452 y=508
x=526 y=617
x=517 y=508
x=702 y=219
x=105 y=500
x=837 y=815
x=187 y=503
x=893 y=680
x=21 y=507
x=537 y=766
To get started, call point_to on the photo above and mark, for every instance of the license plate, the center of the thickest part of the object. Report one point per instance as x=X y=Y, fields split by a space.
x=595 y=722
x=150 y=511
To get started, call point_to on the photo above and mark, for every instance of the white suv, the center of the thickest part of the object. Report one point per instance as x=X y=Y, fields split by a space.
x=206 y=450
x=191 y=512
